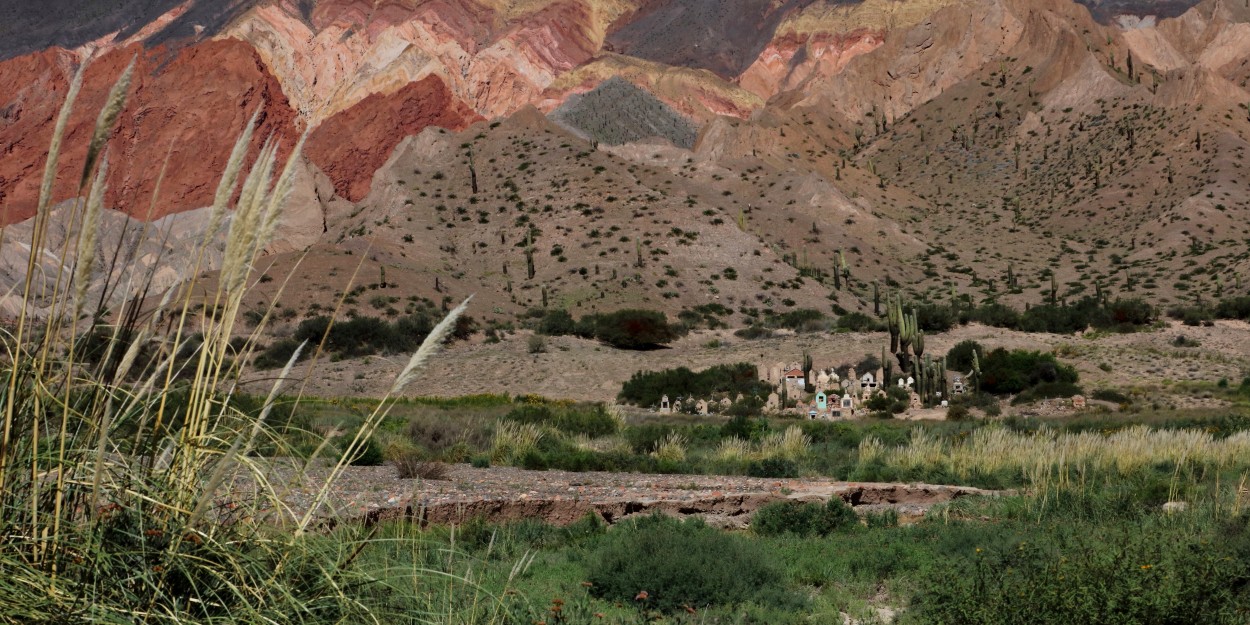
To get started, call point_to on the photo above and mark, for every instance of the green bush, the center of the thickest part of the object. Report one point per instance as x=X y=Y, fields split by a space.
x=1006 y=373
x=645 y=388
x=556 y=323
x=858 y=322
x=959 y=358
x=804 y=518
x=631 y=329
x=679 y=563
x=369 y=455
x=1121 y=573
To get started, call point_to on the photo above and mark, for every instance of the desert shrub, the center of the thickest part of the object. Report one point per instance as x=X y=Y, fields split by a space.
x=858 y=322
x=958 y=412
x=1047 y=390
x=645 y=388
x=629 y=329
x=752 y=332
x=1191 y=315
x=536 y=344
x=1005 y=373
x=1234 y=308
x=804 y=518
x=1111 y=395
x=801 y=320
x=414 y=465
x=996 y=315
x=679 y=563
x=1184 y=341
x=556 y=322
x=935 y=317
x=959 y=358
x=439 y=433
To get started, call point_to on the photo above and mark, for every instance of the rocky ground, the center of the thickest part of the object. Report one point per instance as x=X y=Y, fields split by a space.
x=501 y=494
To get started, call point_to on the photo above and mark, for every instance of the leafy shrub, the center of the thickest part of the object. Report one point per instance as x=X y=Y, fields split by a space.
x=858 y=322
x=679 y=563
x=1111 y=395
x=368 y=455
x=1118 y=574
x=629 y=329
x=745 y=428
x=959 y=358
x=556 y=322
x=753 y=332
x=1005 y=373
x=645 y=388
x=997 y=315
x=804 y=518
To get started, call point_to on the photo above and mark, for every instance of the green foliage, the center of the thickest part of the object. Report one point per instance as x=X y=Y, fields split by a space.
x=628 y=329
x=858 y=322
x=804 y=518
x=593 y=420
x=679 y=563
x=1120 y=573
x=1122 y=315
x=362 y=336
x=645 y=388
x=800 y=320
x=1005 y=373
x=556 y=322
x=959 y=358
x=745 y=428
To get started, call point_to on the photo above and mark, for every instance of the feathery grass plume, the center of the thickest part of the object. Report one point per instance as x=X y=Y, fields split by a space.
x=279 y=195
x=240 y=447
x=104 y=123
x=429 y=347
x=671 y=448
x=733 y=449
x=84 y=258
x=791 y=444
x=513 y=440
x=58 y=135
x=433 y=341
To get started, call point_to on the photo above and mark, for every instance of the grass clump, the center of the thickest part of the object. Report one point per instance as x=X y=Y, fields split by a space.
x=680 y=564
x=802 y=518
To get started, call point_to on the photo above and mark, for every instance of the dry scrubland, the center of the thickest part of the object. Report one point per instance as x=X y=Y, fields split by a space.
x=1147 y=362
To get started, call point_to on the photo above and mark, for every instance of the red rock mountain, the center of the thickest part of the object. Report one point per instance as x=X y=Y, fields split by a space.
x=1035 y=123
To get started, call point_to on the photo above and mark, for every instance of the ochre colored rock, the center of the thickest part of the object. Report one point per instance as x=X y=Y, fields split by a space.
x=350 y=146
x=189 y=105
